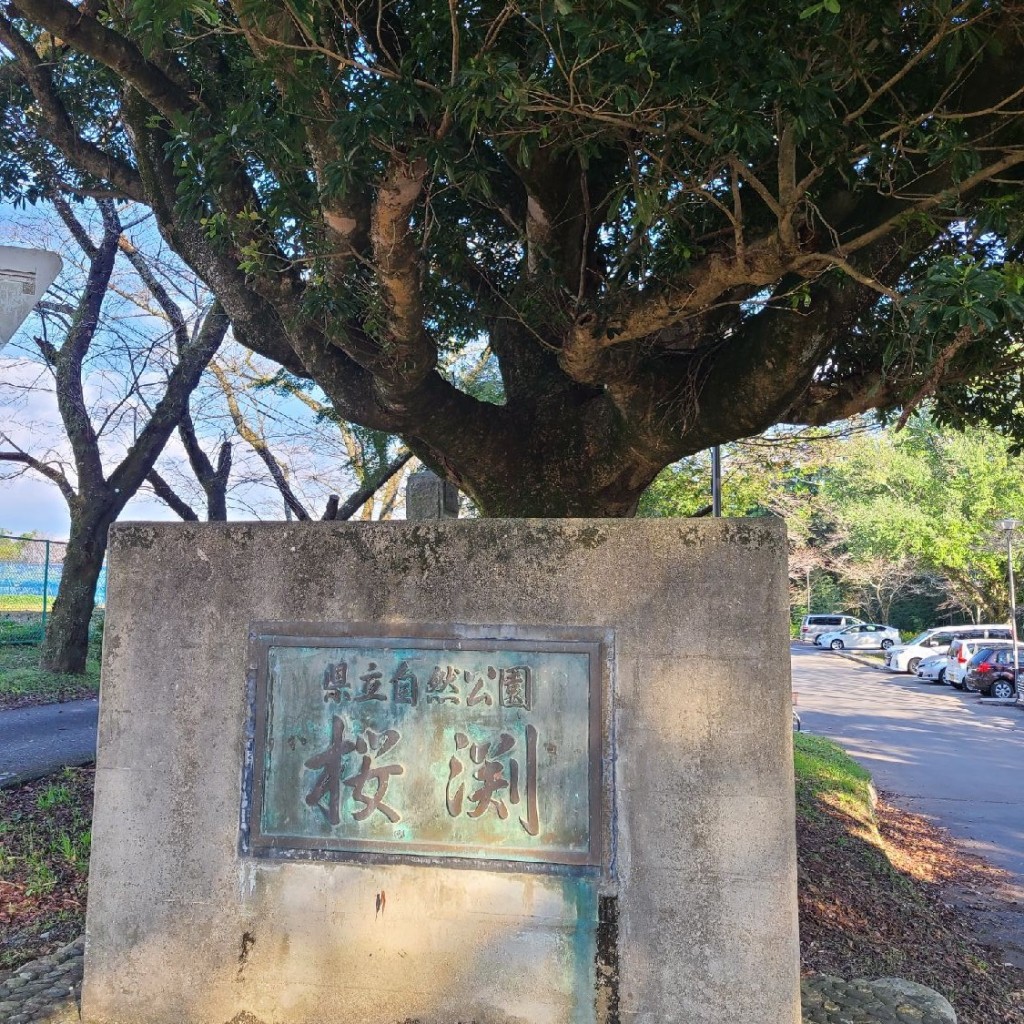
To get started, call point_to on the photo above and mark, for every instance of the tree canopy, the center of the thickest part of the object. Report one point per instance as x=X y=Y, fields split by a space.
x=673 y=224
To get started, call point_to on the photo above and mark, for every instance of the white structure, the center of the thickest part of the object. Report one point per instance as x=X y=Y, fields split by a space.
x=25 y=274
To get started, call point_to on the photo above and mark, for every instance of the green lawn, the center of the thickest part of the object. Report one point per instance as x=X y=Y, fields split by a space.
x=826 y=773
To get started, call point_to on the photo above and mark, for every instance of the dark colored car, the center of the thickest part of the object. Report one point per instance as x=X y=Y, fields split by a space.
x=990 y=672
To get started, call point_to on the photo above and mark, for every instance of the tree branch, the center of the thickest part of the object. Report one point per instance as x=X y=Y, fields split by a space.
x=141 y=457
x=355 y=501
x=408 y=353
x=51 y=473
x=166 y=494
x=55 y=124
x=259 y=445
x=70 y=359
x=89 y=36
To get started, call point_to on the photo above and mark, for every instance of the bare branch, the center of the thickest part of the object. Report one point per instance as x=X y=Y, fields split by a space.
x=166 y=494
x=50 y=471
x=358 y=498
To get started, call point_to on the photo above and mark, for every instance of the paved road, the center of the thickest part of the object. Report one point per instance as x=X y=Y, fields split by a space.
x=36 y=741
x=939 y=752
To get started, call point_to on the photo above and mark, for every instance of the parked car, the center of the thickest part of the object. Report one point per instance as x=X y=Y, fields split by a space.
x=812 y=625
x=960 y=653
x=933 y=669
x=906 y=657
x=865 y=636
x=990 y=672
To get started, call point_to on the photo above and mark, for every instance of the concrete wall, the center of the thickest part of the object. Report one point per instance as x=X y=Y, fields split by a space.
x=183 y=929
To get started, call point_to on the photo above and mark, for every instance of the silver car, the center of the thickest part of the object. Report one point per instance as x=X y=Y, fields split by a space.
x=865 y=636
x=933 y=669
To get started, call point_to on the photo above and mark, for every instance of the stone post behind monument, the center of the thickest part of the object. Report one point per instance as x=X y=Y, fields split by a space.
x=581 y=728
x=429 y=496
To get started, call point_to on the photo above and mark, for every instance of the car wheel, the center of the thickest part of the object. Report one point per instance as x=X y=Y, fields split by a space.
x=941 y=677
x=836 y=645
x=886 y=644
x=1003 y=689
x=912 y=665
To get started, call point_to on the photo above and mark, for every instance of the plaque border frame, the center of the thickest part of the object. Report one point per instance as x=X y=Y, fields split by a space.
x=596 y=642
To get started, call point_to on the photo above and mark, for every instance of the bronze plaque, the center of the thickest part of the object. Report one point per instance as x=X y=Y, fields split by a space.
x=486 y=750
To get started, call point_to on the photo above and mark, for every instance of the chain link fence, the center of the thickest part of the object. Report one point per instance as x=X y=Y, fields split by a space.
x=30 y=574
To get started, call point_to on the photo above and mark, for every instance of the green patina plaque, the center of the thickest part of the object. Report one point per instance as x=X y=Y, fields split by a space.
x=427 y=747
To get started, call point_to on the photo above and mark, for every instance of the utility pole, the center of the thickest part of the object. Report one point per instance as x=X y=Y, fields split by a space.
x=1009 y=526
x=716 y=481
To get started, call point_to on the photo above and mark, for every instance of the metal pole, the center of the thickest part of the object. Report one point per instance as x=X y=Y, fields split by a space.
x=716 y=480
x=46 y=581
x=1013 y=604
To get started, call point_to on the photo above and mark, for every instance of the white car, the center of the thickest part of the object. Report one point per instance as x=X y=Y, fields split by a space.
x=866 y=636
x=933 y=669
x=906 y=657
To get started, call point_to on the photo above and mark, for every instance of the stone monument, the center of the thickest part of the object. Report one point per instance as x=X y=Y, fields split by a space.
x=491 y=771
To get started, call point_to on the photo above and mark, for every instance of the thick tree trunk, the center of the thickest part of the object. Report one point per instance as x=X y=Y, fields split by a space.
x=66 y=645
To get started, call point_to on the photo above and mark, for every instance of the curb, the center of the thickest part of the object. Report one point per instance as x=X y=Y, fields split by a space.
x=850 y=656
x=10 y=779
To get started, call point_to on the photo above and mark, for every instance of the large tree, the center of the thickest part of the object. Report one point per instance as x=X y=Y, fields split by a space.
x=928 y=498
x=675 y=224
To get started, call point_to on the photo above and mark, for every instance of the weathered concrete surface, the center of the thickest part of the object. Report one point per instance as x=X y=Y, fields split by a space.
x=182 y=928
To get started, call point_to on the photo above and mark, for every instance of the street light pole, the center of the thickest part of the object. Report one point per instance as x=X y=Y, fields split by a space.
x=1008 y=526
x=716 y=481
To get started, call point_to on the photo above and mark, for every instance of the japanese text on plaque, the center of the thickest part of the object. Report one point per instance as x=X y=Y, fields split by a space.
x=419 y=749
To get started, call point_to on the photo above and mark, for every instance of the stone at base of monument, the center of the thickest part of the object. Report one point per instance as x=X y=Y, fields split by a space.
x=489 y=771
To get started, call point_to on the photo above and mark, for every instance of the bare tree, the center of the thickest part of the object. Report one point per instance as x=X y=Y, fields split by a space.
x=148 y=375
x=299 y=452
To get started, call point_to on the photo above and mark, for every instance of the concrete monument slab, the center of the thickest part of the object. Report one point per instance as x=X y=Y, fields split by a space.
x=490 y=771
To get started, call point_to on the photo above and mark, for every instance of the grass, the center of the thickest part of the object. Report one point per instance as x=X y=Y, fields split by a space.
x=20 y=632
x=22 y=602
x=827 y=775
x=23 y=682
x=45 y=837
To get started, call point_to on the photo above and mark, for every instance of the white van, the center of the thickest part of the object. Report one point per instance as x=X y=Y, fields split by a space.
x=906 y=657
x=814 y=625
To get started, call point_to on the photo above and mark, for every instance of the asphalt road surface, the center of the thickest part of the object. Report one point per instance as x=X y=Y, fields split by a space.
x=39 y=740
x=938 y=752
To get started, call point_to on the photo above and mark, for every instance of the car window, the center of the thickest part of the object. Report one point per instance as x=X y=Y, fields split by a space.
x=999 y=634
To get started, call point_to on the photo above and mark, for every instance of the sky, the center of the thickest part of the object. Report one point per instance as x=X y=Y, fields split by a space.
x=29 y=503
x=312 y=451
